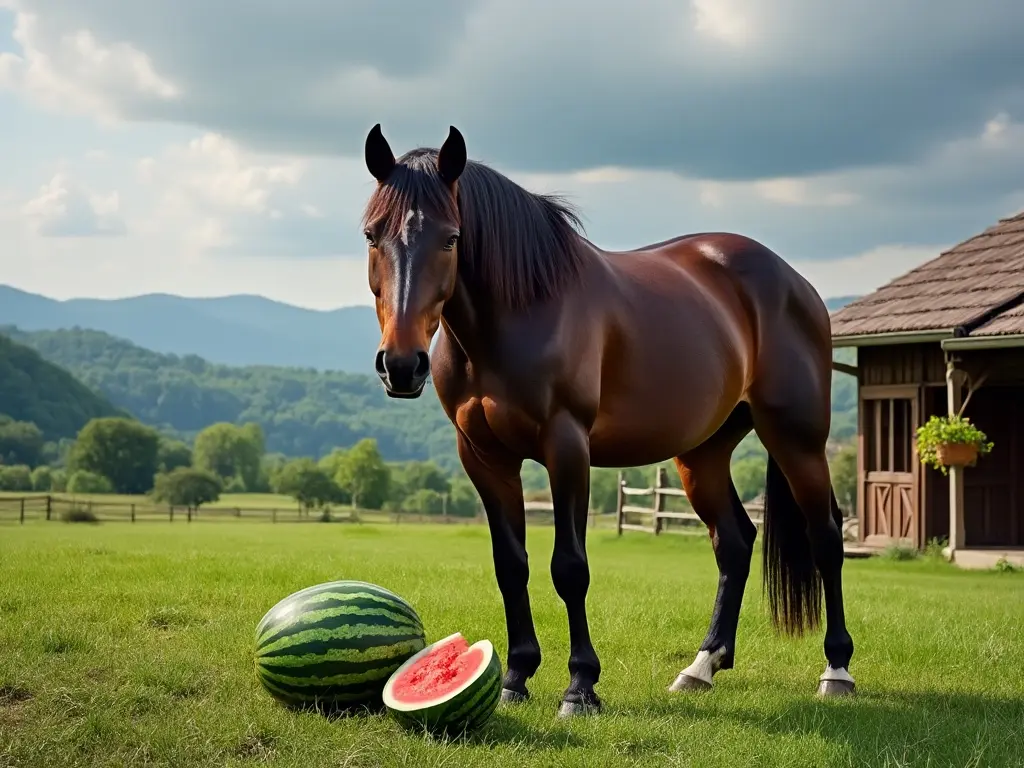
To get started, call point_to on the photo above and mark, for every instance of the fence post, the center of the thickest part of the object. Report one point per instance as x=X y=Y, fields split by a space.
x=170 y=513
x=49 y=506
x=133 y=513
x=273 y=515
x=619 y=503
x=188 y=514
x=21 y=514
x=660 y=481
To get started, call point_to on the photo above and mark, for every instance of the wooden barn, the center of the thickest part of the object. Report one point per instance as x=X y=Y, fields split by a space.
x=950 y=327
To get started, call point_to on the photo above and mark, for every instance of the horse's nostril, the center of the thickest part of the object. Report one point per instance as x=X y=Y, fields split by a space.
x=422 y=365
x=378 y=363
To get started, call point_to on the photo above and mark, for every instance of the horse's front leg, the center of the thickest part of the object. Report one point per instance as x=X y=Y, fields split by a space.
x=501 y=490
x=567 y=457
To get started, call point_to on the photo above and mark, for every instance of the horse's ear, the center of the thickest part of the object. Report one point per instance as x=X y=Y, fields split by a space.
x=380 y=160
x=451 y=159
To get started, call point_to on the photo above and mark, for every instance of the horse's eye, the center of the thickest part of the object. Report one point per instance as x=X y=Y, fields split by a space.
x=369 y=239
x=451 y=242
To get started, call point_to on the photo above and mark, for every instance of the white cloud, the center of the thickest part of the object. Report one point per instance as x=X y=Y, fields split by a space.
x=863 y=273
x=780 y=119
x=64 y=208
x=69 y=69
x=724 y=20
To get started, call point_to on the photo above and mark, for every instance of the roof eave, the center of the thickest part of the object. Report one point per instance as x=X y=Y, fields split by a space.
x=890 y=338
x=994 y=341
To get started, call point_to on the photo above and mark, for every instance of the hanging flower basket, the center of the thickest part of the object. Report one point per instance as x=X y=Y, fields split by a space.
x=950 y=441
x=957 y=454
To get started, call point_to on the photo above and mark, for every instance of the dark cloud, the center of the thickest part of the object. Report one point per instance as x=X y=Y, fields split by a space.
x=783 y=87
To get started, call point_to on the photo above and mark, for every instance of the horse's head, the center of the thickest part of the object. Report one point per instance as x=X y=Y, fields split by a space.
x=412 y=232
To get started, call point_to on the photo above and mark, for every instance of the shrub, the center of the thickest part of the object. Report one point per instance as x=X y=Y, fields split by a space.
x=42 y=479
x=78 y=513
x=16 y=478
x=900 y=552
x=84 y=481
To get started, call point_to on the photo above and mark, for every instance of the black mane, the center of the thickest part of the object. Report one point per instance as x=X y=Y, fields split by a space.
x=518 y=246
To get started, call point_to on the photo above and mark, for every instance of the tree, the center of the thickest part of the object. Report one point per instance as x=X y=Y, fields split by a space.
x=604 y=492
x=83 y=481
x=332 y=462
x=364 y=475
x=843 y=469
x=414 y=476
x=42 y=479
x=121 y=450
x=21 y=442
x=186 y=487
x=307 y=483
x=16 y=478
x=748 y=475
x=463 y=501
x=230 y=451
x=425 y=501
x=173 y=454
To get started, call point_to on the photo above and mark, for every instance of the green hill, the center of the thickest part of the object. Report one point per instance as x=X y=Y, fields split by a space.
x=232 y=330
x=33 y=389
x=302 y=412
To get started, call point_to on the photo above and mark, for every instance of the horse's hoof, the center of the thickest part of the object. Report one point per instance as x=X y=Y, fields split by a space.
x=508 y=696
x=579 y=709
x=684 y=682
x=830 y=688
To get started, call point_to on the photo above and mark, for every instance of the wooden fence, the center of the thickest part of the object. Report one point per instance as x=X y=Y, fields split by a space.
x=658 y=518
x=58 y=508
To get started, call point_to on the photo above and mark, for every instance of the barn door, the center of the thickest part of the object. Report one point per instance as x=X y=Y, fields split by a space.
x=889 y=468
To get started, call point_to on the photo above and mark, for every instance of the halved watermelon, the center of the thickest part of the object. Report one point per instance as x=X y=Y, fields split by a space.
x=449 y=686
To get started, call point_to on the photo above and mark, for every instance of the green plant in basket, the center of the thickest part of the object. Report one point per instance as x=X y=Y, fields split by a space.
x=946 y=441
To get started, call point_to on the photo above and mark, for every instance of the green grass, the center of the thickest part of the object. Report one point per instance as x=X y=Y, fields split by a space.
x=131 y=646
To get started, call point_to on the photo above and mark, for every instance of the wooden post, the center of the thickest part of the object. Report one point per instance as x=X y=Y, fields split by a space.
x=170 y=513
x=21 y=513
x=133 y=513
x=49 y=506
x=660 y=481
x=188 y=514
x=620 y=498
x=955 y=379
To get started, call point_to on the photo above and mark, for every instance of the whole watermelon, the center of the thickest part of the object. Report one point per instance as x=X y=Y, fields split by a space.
x=335 y=644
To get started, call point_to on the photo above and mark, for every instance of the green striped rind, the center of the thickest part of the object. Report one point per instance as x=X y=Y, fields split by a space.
x=335 y=644
x=464 y=711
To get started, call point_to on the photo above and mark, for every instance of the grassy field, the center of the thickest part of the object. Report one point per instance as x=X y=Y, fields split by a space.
x=131 y=646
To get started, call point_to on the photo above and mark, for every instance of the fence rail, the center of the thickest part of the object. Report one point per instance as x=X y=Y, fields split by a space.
x=55 y=508
x=658 y=516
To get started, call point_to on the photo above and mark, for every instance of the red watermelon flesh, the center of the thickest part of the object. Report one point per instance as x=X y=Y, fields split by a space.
x=448 y=686
x=440 y=672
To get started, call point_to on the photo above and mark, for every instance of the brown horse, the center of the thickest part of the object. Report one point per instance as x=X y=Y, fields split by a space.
x=551 y=349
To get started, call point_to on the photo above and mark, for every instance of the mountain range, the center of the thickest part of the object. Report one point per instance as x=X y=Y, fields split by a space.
x=230 y=330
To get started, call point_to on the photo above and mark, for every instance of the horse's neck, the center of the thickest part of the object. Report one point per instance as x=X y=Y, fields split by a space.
x=464 y=318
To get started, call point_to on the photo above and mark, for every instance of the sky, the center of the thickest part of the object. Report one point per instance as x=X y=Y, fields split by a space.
x=206 y=149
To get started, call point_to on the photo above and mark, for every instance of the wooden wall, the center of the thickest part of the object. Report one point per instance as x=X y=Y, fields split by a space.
x=994 y=501
x=901 y=364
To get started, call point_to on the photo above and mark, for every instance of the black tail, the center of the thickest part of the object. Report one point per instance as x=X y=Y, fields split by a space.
x=791 y=579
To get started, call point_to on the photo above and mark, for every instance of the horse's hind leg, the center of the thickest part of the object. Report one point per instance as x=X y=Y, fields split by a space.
x=710 y=490
x=802 y=518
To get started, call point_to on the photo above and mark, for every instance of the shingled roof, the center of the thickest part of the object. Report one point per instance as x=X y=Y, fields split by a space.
x=976 y=287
